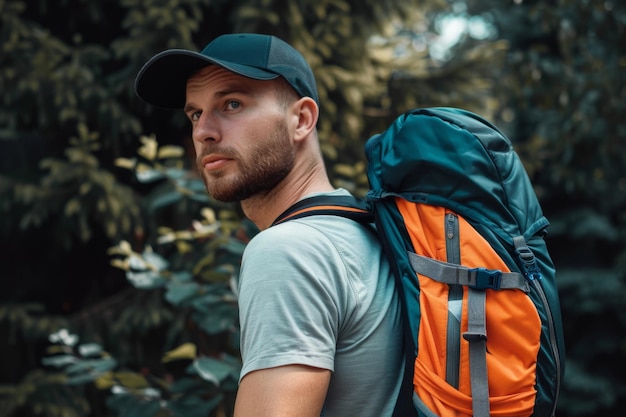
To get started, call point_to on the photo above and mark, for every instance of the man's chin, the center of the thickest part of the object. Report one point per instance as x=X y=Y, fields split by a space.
x=226 y=195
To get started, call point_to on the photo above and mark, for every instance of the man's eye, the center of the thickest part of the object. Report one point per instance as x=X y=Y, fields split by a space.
x=195 y=116
x=232 y=105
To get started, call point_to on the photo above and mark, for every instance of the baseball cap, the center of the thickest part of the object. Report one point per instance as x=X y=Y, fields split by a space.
x=162 y=80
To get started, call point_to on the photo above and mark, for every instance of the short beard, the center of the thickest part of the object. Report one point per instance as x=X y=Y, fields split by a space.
x=263 y=166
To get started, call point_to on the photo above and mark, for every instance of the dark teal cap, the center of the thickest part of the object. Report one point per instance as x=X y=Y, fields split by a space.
x=162 y=80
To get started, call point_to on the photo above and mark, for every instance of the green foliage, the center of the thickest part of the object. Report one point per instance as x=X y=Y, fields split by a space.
x=41 y=393
x=198 y=279
x=593 y=300
x=24 y=322
x=76 y=193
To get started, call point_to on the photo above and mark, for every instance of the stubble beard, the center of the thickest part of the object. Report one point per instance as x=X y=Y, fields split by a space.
x=263 y=166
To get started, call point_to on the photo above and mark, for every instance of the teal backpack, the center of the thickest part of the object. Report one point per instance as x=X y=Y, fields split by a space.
x=461 y=224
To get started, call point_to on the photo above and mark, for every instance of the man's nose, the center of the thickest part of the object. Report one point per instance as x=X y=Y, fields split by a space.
x=206 y=129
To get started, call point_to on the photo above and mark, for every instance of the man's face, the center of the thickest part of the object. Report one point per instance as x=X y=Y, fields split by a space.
x=240 y=133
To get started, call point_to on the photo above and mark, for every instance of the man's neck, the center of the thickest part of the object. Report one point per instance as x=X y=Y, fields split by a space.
x=263 y=209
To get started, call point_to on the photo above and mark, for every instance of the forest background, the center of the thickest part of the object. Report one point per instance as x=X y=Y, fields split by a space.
x=117 y=271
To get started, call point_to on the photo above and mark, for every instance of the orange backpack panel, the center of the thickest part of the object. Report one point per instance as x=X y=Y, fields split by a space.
x=513 y=325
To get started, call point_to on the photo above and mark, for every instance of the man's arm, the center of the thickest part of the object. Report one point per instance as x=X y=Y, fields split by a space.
x=284 y=391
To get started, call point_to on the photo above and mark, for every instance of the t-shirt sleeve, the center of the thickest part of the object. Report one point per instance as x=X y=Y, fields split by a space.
x=291 y=298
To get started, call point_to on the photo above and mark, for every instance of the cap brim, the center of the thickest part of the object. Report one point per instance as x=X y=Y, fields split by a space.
x=163 y=79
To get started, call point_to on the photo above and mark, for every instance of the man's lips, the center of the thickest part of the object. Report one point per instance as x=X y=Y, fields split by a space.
x=212 y=162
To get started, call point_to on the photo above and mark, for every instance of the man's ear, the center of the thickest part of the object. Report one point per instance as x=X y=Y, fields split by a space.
x=308 y=113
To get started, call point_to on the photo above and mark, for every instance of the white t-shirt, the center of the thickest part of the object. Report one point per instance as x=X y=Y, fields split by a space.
x=318 y=291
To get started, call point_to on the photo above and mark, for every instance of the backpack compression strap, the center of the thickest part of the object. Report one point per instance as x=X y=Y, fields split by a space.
x=344 y=206
x=477 y=278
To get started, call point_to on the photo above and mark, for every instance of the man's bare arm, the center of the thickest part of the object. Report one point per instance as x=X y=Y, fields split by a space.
x=285 y=391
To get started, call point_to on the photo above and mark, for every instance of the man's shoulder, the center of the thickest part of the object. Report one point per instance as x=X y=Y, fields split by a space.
x=300 y=233
x=319 y=233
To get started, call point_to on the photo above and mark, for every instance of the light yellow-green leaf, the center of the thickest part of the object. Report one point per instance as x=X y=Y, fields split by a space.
x=149 y=148
x=125 y=163
x=170 y=151
x=131 y=380
x=121 y=264
x=72 y=207
x=209 y=214
x=184 y=351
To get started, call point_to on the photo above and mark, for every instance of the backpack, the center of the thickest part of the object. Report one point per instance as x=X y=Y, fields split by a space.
x=463 y=229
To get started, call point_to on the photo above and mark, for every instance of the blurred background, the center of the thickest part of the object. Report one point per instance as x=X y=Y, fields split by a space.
x=117 y=272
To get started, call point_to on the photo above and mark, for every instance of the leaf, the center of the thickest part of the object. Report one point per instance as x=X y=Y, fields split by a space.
x=105 y=381
x=131 y=380
x=149 y=148
x=149 y=175
x=213 y=370
x=170 y=151
x=184 y=351
x=146 y=279
x=127 y=405
x=90 y=349
x=216 y=275
x=63 y=336
x=178 y=293
x=222 y=317
x=120 y=264
x=181 y=276
x=208 y=214
x=58 y=349
x=183 y=247
x=72 y=207
x=94 y=367
x=189 y=385
x=59 y=361
x=193 y=406
x=125 y=163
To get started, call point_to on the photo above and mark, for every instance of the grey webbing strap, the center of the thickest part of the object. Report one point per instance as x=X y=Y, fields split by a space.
x=479 y=278
x=476 y=335
x=423 y=408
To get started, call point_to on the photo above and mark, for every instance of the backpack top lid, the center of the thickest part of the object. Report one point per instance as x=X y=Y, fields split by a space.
x=456 y=159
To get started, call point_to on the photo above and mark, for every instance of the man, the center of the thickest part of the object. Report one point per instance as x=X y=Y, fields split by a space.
x=320 y=316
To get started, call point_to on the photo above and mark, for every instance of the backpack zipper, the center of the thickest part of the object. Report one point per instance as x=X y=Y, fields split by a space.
x=533 y=275
x=553 y=342
x=455 y=302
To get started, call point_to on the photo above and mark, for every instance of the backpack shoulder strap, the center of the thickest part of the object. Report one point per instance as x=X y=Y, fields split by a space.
x=344 y=206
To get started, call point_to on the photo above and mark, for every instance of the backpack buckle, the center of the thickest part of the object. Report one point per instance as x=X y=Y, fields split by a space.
x=483 y=279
